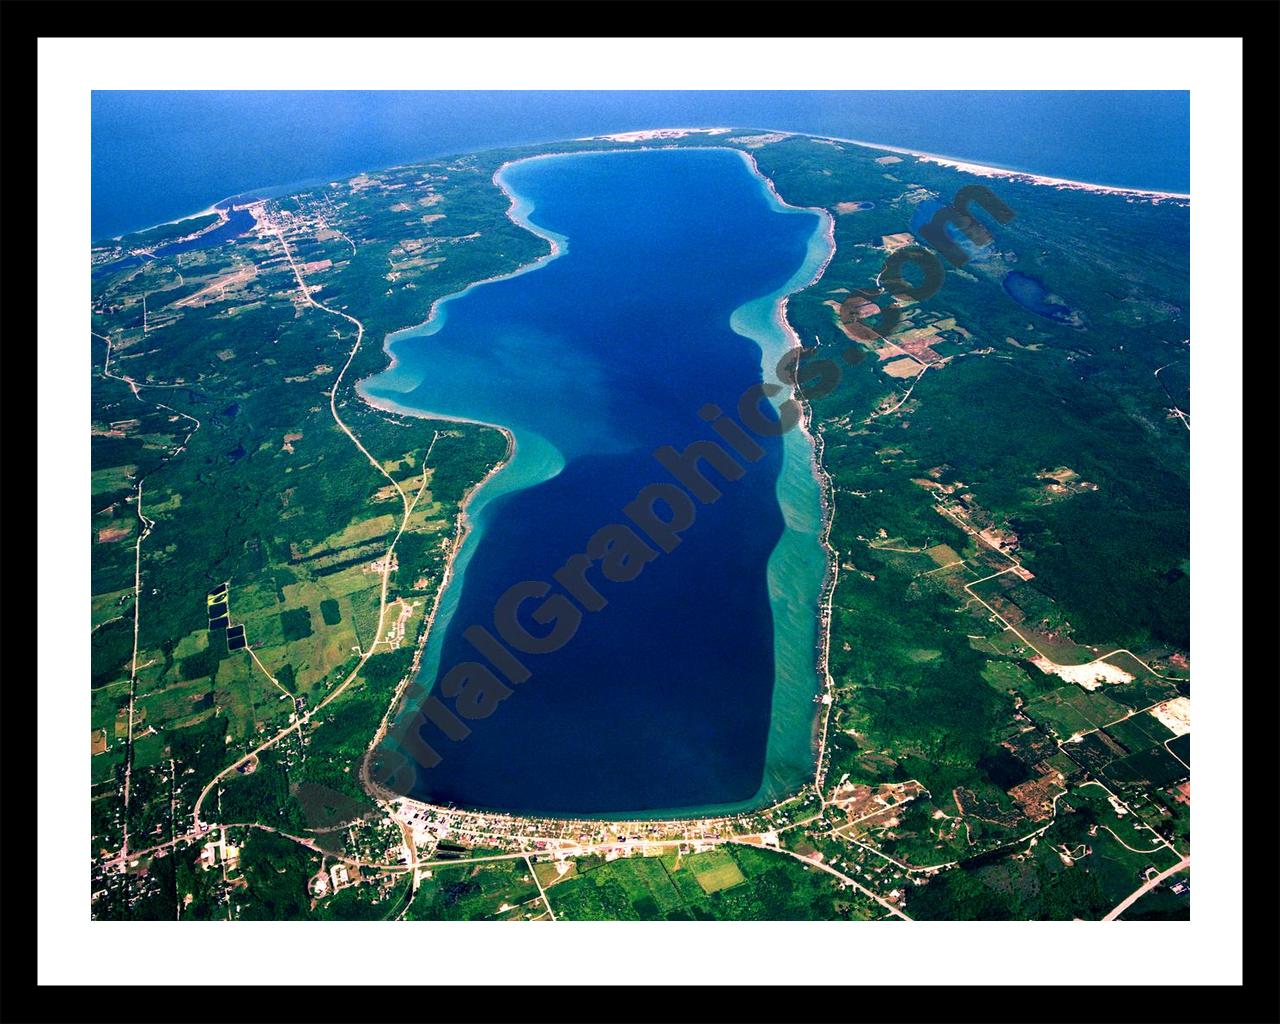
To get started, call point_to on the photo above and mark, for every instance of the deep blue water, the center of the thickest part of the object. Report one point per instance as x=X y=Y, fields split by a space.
x=158 y=156
x=662 y=699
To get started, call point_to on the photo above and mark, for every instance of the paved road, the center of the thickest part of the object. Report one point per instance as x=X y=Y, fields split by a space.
x=845 y=878
x=1137 y=894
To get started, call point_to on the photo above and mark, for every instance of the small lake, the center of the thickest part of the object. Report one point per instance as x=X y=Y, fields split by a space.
x=1032 y=293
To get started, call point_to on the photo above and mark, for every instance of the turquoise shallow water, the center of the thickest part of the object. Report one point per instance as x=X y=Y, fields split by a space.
x=692 y=689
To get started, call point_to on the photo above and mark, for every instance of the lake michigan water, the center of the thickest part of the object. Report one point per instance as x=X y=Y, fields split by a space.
x=662 y=301
x=158 y=156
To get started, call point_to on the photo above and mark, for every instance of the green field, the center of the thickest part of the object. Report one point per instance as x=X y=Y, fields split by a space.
x=728 y=883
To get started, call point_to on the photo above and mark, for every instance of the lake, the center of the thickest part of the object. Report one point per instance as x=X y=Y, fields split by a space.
x=693 y=689
x=1033 y=294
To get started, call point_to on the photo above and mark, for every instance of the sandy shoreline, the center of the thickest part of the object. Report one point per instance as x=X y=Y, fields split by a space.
x=462 y=528
x=956 y=163
x=514 y=215
x=1027 y=177
x=826 y=487
x=214 y=207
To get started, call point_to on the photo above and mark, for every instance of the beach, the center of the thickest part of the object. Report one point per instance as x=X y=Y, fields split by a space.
x=1027 y=177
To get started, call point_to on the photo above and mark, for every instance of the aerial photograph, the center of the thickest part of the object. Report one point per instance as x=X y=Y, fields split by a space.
x=639 y=506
